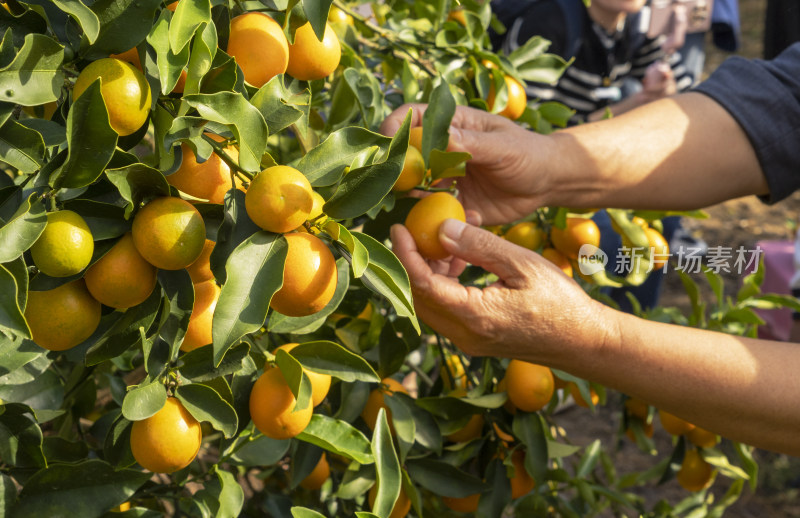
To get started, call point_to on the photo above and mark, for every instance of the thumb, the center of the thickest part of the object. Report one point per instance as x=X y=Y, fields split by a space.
x=482 y=248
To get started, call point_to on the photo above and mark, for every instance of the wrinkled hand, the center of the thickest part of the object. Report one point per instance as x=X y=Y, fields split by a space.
x=659 y=81
x=502 y=183
x=533 y=312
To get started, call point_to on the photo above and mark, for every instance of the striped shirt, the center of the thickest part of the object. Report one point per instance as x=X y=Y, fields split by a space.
x=603 y=62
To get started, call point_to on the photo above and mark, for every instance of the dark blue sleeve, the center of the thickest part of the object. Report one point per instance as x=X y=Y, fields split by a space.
x=764 y=98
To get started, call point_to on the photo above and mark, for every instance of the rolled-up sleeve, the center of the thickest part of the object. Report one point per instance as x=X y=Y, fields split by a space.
x=764 y=98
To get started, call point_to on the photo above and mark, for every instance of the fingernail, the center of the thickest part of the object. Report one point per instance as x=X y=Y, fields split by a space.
x=452 y=229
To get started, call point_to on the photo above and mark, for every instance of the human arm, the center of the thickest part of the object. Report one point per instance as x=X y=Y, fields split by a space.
x=741 y=388
x=658 y=82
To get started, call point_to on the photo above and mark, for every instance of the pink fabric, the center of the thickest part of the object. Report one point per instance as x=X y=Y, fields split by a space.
x=778 y=272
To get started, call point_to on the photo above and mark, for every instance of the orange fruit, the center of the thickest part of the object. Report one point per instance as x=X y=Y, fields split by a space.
x=673 y=424
x=467 y=504
x=457 y=15
x=529 y=386
x=646 y=427
x=578 y=232
x=129 y=56
x=318 y=476
x=336 y=15
x=279 y=199
x=316 y=206
x=695 y=473
x=375 y=402
x=200 y=269
x=401 y=506
x=61 y=318
x=320 y=383
x=426 y=216
x=637 y=408
x=576 y=395
x=208 y=180
x=503 y=436
x=309 y=277
x=169 y=233
x=172 y=6
x=522 y=482
x=272 y=407
x=659 y=248
x=517 y=99
x=121 y=508
x=413 y=171
x=471 y=430
x=310 y=58
x=124 y=89
x=702 y=437
x=168 y=440
x=558 y=259
x=526 y=234
x=121 y=278
x=455 y=370
x=198 y=333
x=65 y=246
x=415 y=138
x=259 y=46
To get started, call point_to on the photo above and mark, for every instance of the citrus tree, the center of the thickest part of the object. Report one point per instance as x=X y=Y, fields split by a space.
x=200 y=313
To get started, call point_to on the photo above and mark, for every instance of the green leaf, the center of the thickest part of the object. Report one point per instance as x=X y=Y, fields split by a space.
x=246 y=122
x=144 y=401
x=325 y=164
x=277 y=105
x=179 y=291
x=8 y=494
x=254 y=274
x=12 y=319
x=365 y=187
x=35 y=76
x=88 y=488
x=546 y=68
x=235 y=229
x=21 y=147
x=317 y=13
x=117 y=443
x=198 y=365
x=90 y=138
x=187 y=18
x=117 y=33
x=717 y=459
x=261 y=451
x=20 y=437
x=105 y=220
x=231 y=496
x=136 y=182
x=386 y=276
x=436 y=122
x=387 y=467
x=358 y=255
x=169 y=64
x=556 y=113
x=333 y=359
x=302 y=512
x=452 y=407
x=204 y=49
x=530 y=429
x=368 y=93
x=444 y=479
x=15 y=354
x=23 y=229
x=405 y=429
x=297 y=380
x=338 y=437
x=205 y=404
x=83 y=15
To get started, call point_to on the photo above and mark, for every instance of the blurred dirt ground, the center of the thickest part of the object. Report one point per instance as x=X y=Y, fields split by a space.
x=740 y=222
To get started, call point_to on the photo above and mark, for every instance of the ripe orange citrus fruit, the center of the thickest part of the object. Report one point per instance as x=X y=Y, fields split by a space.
x=172 y=6
x=272 y=407
x=208 y=180
x=457 y=15
x=279 y=199
x=311 y=59
x=526 y=234
x=576 y=395
x=320 y=383
x=455 y=370
x=317 y=477
x=702 y=437
x=336 y=15
x=673 y=424
x=695 y=473
x=375 y=402
x=125 y=92
x=401 y=506
x=471 y=430
x=259 y=46
x=413 y=171
x=467 y=504
x=558 y=259
x=200 y=269
x=169 y=233
x=66 y=245
x=309 y=277
x=578 y=232
x=168 y=440
x=658 y=246
x=198 y=333
x=316 y=207
x=529 y=386
x=415 y=138
x=522 y=482
x=517 y=99
x=121 y=278
x=63 y=317
x=426 y=216
x=132 y=56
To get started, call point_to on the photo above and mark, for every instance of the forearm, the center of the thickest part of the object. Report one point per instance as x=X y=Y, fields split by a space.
x=683 y=152
x=625 y=105
x=743 y=389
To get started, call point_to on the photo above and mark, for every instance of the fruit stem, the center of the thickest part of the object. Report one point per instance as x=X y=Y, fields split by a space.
x=305 y=145
x=220 y=151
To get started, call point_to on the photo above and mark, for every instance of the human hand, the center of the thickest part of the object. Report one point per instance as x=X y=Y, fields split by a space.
x=659 y=81
x=502 y=183
x=533 y=312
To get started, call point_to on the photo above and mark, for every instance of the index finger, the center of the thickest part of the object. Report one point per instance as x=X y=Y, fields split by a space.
x=395 y=119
